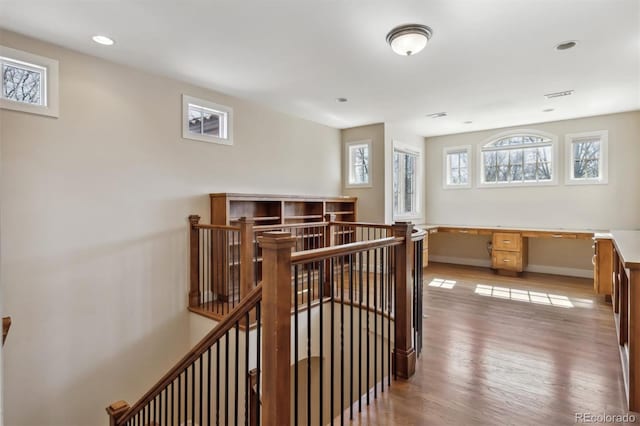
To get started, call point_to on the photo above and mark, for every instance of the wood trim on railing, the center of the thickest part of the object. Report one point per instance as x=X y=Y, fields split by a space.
x=289 y=226
x=367 y=224
x=245 y=306
x=418 y=235
x=6 y=325
x=343 y=250
x=220 y=227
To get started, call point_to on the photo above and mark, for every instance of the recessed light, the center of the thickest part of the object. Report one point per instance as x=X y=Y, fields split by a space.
x=104 y=40
x=566 y=45
x=468 y=122
x=437 y=115
x=558 y=94
x=341 y=100
x=548 y=110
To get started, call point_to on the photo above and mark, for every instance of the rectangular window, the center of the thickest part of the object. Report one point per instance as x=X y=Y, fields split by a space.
x=206 y=121
x=457 y=167
x=405 y=181
x=587 y=157
x=358 y=155
x=29 y=82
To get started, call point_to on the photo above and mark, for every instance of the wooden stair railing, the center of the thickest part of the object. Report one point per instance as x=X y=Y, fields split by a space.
x=6 y=325
x=158 y=405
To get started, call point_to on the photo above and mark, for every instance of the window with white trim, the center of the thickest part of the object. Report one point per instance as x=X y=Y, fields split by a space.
x=206 y=121
x=358 y=164
x=405 y=183
x=518 y=158
x=29 y=82
x=457 y=167
x=587 y=157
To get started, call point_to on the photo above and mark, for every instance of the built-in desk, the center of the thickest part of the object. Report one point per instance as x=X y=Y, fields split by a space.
x=510 y=244
x=626 y=309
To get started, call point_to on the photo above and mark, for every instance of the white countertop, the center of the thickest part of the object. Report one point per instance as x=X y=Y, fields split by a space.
x=628 y=246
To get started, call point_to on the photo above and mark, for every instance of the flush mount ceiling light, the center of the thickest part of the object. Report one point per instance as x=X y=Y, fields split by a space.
x=104 y=40
x=566 y=45
x=558 y=94
x=437 y=115
x=407 y=40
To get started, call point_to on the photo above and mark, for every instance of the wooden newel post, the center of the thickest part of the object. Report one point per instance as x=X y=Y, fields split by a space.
x=403 y=352
x=276 y=325
x=246 y=256
x=115 y=411
x=194 y=261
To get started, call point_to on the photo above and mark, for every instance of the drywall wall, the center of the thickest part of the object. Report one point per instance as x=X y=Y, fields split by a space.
x=615 y=205
x=94 y=227
x=370 y=199
x=398 y=135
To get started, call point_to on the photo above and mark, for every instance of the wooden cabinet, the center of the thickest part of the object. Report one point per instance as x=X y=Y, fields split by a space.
x=603 y=266
x=509 y=252
x=227 y=208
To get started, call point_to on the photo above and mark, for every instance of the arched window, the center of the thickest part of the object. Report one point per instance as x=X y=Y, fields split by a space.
x=522 y=157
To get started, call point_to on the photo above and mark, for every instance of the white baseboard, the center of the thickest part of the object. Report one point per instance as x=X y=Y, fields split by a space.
x=542 y=269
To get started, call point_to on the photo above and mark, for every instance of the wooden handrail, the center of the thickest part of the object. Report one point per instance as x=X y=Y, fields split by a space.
x=245 y=306
x=367 y=224
x=289 y=226
x=343 y=250
x=6 y=325
x=418 y=234
x=221 y=227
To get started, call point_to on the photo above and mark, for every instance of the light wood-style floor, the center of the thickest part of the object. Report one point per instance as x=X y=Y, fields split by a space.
x=507 y=351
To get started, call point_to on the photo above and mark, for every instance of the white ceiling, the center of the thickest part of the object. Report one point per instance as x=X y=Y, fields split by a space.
x=489 y=61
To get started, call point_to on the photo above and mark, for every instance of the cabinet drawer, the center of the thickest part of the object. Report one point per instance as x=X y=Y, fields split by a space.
x=507 y=241
x=508 y=260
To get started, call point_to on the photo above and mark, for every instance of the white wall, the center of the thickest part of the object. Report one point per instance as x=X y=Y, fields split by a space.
x=370 y=199
x=94 y=228
x=612 y=206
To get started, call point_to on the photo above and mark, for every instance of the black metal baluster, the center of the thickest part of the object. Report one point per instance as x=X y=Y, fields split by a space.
x=351 y=301
x=160 y=408
x=201 y=391
x=237 y=370
x=209 y=386
x=259 y=350
x=246 y=370
x=321 y=273
x=295 y=343
x=360 y=279
x=382 y=294
x=309 y=290
x=391 y=302
x=226 y=378
x=218 y=383
x=342 y=340
x=193 y=391
x=179 y=399
x=375 y=325
x=368 y=314
x=332 y=295
x=172 y=402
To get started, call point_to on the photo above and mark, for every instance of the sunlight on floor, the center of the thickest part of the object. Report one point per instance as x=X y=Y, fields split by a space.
x=442 y=283
x=527 y=296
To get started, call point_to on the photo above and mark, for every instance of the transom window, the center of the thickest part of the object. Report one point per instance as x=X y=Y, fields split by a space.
x=457 y=167
x=29 y=82
x=587 y=157
x=405 y=177
x=518 y=158
x=206 y=121
x=358 y=163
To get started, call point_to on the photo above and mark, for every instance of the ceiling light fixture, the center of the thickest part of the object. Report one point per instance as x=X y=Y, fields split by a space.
x=407 y=40
x=437 y=115
x=558 y=94
x=566 y=45
x=341 y=100
x=104 y=40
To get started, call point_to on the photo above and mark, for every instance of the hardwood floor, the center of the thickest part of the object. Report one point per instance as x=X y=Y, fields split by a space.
x=498 y=350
